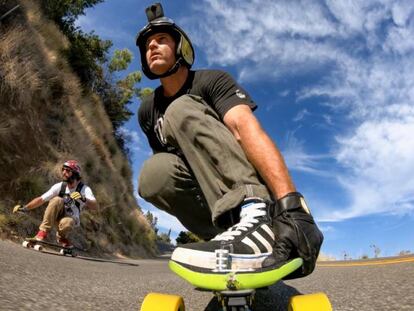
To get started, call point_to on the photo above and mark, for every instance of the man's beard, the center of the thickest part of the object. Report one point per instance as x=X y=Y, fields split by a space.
x=68 y=179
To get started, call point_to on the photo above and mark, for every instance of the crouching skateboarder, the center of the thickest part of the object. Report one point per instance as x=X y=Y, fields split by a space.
x=66 y=201
x=213 y=166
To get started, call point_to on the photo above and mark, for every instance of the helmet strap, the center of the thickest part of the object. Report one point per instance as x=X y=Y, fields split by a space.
x=172 y=70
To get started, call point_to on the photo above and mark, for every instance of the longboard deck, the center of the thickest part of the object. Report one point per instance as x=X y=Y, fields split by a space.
x=55 y=245
x=234 y=280
x=36 y=245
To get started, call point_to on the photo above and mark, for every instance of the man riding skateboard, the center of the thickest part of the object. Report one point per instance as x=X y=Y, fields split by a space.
x=213 y=166
x=66 y=201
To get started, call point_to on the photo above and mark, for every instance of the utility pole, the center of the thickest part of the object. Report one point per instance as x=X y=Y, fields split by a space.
x=377 y=250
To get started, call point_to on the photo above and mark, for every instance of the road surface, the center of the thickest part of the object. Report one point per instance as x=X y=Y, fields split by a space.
x=30 y=280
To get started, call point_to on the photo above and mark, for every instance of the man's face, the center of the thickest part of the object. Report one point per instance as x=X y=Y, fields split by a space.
x=160 y=53
x=66 y=173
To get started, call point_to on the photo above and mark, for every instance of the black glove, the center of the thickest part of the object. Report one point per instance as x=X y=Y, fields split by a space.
x=20 y=208
x=297 y=234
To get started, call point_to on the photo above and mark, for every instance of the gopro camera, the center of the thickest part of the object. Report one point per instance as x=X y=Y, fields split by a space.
x=154 y=11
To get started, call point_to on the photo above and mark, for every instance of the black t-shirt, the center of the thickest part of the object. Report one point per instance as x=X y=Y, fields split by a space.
x=217 y=88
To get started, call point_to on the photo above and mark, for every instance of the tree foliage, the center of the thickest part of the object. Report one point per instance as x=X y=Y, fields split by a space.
x=127 y=86
x=164 y=237
x=86 y=51
x=65 y=12
x=118 y=95
x=120 y=60
x=185 y=237
x=152 y=220
x=88 y=56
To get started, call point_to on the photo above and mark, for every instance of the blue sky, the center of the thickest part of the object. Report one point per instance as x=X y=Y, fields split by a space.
x=334 y=81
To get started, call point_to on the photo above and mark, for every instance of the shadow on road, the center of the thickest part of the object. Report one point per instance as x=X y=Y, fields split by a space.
x=80 y=257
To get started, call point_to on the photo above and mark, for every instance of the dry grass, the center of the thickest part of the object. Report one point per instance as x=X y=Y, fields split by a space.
x=45 y=119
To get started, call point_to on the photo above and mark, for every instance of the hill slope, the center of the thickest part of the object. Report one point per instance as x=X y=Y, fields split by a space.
x=45 y=119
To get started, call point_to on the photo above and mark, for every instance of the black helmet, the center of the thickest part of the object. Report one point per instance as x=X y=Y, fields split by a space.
x=157 y=22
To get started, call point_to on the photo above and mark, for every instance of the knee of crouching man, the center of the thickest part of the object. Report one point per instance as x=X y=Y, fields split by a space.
x=156 y=175
x=57 y=201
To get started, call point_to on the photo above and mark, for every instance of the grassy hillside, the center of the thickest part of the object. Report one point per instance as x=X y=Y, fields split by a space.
x=45 y=118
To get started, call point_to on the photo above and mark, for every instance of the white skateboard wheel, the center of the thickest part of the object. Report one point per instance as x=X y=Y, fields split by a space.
x=38 y=248
x=62 y=252
x=25 y=244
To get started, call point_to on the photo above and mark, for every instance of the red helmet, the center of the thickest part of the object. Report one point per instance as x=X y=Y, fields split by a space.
x=74 y=166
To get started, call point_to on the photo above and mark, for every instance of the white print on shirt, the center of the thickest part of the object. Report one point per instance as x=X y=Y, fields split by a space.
x=158 y=130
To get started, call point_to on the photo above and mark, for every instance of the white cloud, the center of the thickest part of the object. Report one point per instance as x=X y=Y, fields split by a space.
x=326 y=229
x=164 y=220
x=301 y=115
x=379 y=157
x=284 y=93
x=369 y=48
x=264 y=32
x=299 y=160
x=136 y=142
x=349 y=13
x=401 y=12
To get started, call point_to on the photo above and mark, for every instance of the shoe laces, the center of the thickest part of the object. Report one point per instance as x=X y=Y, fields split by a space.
x=248 y=218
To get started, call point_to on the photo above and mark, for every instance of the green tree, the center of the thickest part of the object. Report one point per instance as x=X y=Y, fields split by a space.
x=185 y=237
x=152 y=220
x=86 y=51
x=118 y=95
x=87 y=54
x=120 y=61
x=128 y=86
x=164 y=237
x=65 y=12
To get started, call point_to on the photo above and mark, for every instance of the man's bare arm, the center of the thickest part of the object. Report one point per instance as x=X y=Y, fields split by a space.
x=35 y=203
x=91 y=204
x=260 y=150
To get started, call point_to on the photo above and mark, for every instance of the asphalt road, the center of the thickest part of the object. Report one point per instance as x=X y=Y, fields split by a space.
x=30 y=280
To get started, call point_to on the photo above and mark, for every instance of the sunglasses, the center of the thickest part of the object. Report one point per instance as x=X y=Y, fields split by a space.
x=66 y=169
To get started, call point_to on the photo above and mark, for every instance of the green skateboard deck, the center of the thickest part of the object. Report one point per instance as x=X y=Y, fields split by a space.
x=234 y=280
x=235 y=291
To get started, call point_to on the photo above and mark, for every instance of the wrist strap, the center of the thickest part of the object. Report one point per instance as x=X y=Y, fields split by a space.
x=291 y=201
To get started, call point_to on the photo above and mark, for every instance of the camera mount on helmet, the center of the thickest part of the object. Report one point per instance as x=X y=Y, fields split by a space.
x=154 y=11
x=157 y=23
